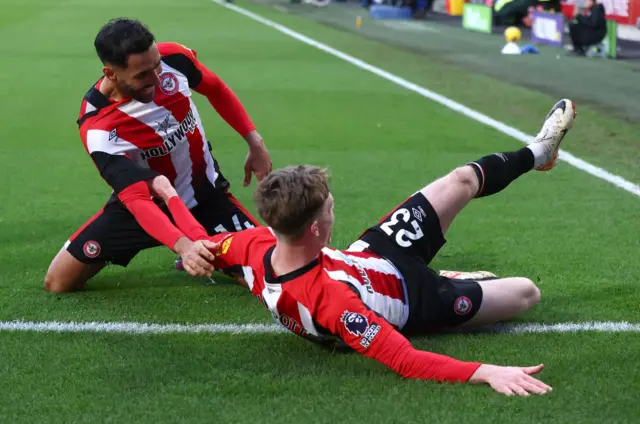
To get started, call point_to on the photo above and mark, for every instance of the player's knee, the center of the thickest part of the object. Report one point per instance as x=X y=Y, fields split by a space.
x=530 y=293
x=466 y=177
x=54 y=284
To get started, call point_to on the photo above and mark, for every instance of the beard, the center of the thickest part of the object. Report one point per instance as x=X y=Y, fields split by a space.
x=143 y=95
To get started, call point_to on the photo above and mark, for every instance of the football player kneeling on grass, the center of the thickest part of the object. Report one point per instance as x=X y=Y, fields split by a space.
x=138 y=122
x=381 y=289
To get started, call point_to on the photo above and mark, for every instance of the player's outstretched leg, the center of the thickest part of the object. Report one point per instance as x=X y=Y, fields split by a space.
x=493 y=173
x=502 y=298
x=505 y=297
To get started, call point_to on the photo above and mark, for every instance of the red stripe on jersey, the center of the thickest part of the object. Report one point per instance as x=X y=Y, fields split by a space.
x=384 y=278
x=83 y=107
x=198 y=162
x=105 y=120
x=83 y=133
x=179 y=106
x=174 y=103
x=387 y=285
x=167 y=47
x=164 y=165
x=289 y=314
x=384 y=283
x=144 y=137
x=393 y=289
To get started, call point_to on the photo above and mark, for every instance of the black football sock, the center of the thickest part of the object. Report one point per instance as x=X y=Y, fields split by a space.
x=495 y=172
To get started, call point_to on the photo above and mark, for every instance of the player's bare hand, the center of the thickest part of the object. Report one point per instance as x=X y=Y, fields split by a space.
x=161 y=187
x=211 y=246
x=511 y=380
x=197 y=259
x=258 y=160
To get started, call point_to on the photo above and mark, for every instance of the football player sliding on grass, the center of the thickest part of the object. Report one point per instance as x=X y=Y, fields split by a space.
x=381 y=288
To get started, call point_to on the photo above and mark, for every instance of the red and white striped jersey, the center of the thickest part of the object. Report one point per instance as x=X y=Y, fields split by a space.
x=165 y=136
x=327 y=298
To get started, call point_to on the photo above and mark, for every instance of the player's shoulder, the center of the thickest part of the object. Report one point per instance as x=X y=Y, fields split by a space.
x=169 y=48
x=181 y=59
x=331 y=282
x=258 y=233
x=93 y=103
x=248 y=238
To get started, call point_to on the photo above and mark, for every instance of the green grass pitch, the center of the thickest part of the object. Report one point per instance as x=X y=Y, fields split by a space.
x=576 y=236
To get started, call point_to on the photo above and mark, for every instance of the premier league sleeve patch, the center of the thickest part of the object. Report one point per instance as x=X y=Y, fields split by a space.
x=356 y=324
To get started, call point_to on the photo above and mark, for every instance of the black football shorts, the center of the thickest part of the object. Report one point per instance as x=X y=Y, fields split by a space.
x=409 y=237
x=113 y=236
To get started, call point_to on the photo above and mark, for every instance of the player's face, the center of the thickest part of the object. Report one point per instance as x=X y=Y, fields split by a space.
x=141 y=76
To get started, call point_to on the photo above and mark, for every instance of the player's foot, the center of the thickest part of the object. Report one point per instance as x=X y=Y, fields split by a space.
x=473 y=275
x=547 y=143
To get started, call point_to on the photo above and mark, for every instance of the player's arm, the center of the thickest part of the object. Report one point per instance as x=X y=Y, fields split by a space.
x=224 y=101
x=161 y=187
x=344 y=314
x=223 y=258
x=129 y=182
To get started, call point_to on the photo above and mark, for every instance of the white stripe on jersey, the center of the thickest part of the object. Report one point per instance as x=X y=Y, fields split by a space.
x=271 y=294
x=395 y=311
x=307 y=319
x=212 y=175
x=248 y=276
x=165 y=125
x=149 y=114
x=375 y=264
x=102 y=141
x=358 y=246
x=181 y=157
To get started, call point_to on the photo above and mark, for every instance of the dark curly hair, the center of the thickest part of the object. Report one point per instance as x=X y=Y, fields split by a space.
x=120 y=38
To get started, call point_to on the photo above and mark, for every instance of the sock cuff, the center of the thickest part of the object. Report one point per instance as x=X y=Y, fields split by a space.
x=480 y=174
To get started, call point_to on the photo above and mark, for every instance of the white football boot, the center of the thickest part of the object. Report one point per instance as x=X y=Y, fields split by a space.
x=547 y=143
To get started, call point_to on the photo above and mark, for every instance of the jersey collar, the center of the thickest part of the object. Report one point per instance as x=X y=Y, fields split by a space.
x=272 y=279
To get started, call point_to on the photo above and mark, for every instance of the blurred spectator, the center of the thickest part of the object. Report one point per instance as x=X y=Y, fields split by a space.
x=550 y=5
x=511 y=12
x=589 y=28
x=421 y=8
